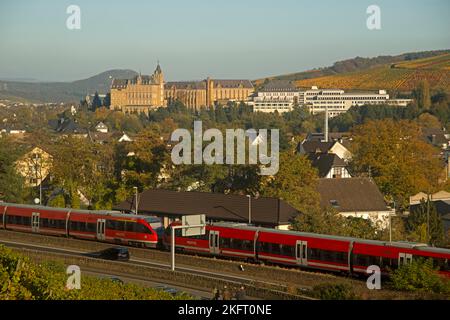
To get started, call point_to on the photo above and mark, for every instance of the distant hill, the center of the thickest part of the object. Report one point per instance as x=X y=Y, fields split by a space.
x=400 y=72
x=60 y=91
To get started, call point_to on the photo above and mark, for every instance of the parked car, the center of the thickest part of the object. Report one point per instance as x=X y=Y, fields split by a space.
x=116 y=253
x=116 y=280
x=167 y=289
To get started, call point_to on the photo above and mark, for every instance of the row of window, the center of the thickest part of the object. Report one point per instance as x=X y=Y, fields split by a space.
x=24 y=221
x=313 y=253
x=78 y=225
x=383 y=262
x=83 y=226
x=128 y=226
x=238 y=244
x=52 y=223
x=276 y=248
x=327 y=255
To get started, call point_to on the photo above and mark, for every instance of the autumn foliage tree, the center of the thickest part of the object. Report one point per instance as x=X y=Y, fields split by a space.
x=394 y=154
x=295 y=183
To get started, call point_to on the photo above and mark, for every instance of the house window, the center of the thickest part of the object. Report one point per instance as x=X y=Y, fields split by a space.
x=337 y=173
x=334 y=203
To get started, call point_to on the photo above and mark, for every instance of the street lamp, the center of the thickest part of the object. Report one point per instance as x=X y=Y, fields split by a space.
x=249 y=209
x=136 y=200
x=390 y=224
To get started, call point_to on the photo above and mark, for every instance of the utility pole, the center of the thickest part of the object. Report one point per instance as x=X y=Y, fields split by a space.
x=390 y=224
x=249 y=209
x=326 y=123
x=428 y=218
x=136 y=200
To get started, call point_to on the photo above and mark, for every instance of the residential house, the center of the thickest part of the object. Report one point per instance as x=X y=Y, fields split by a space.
x=437 y=137
x=34 y=166
x=355 y=197
x=441 y=201
x=125 y=138
x=313 y=146
x=101 y=127
x=170 y=205
x=68 y=127
x=329 y=165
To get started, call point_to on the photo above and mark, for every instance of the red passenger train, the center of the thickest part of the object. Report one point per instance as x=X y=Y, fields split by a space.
x=308 y=250
x=105 y=226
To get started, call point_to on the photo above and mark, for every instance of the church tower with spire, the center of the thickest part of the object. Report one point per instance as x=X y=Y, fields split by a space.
x=158 y=76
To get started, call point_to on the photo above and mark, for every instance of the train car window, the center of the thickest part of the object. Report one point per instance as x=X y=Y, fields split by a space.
x=91 y=227
x=44 y=222
x=120 y=225
x=10 y=219
x=225 y=242
x=142 y=229
x=111 y=224
x=340 y=257
x=178 y=233
x=73 y=226
x=386 y=262
x=129 y=226
x=262 y=246
x=288 y=250
x=237 y=244
x=441 y=263
x=366 y=260
x=247 y=245
x=276 y=248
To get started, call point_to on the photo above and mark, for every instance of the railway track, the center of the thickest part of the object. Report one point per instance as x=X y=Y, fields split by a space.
x=133 y=262
x=281 y=276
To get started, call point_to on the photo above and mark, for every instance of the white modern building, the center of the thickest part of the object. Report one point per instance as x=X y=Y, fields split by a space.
x=338 y=101
x=278 y=96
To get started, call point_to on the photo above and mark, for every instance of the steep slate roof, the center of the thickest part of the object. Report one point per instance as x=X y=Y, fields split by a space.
x=279 y=85
x=69 y=126
x=202 y=84
x=216 y=206
x=233 y=83
x=119 y=83
x=185 y=85
x=317 y=146
x=325 y=161
x=434 y=136
x=351 y=194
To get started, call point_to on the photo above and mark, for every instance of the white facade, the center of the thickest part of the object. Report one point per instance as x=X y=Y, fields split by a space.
x=337 y=101
x=271 y=101
x=338 y=172
x=379 y=218
x=318 y=100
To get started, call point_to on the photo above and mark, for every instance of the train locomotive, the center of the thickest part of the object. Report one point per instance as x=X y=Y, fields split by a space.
x=104 y=226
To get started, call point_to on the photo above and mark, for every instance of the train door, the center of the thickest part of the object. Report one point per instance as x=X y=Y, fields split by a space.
x=101 y=229
x=301 y=252
x=214 y=242
x=404 y=258
x=35 y=222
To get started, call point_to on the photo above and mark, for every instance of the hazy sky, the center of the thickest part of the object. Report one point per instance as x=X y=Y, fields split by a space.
x=194 y=39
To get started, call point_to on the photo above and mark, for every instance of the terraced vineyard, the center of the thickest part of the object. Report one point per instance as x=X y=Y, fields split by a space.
x=404 y=78
x=441 y=62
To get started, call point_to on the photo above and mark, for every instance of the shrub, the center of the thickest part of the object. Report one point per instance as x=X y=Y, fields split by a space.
x=334 y=291
x=21 y=279
x=419 y=275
